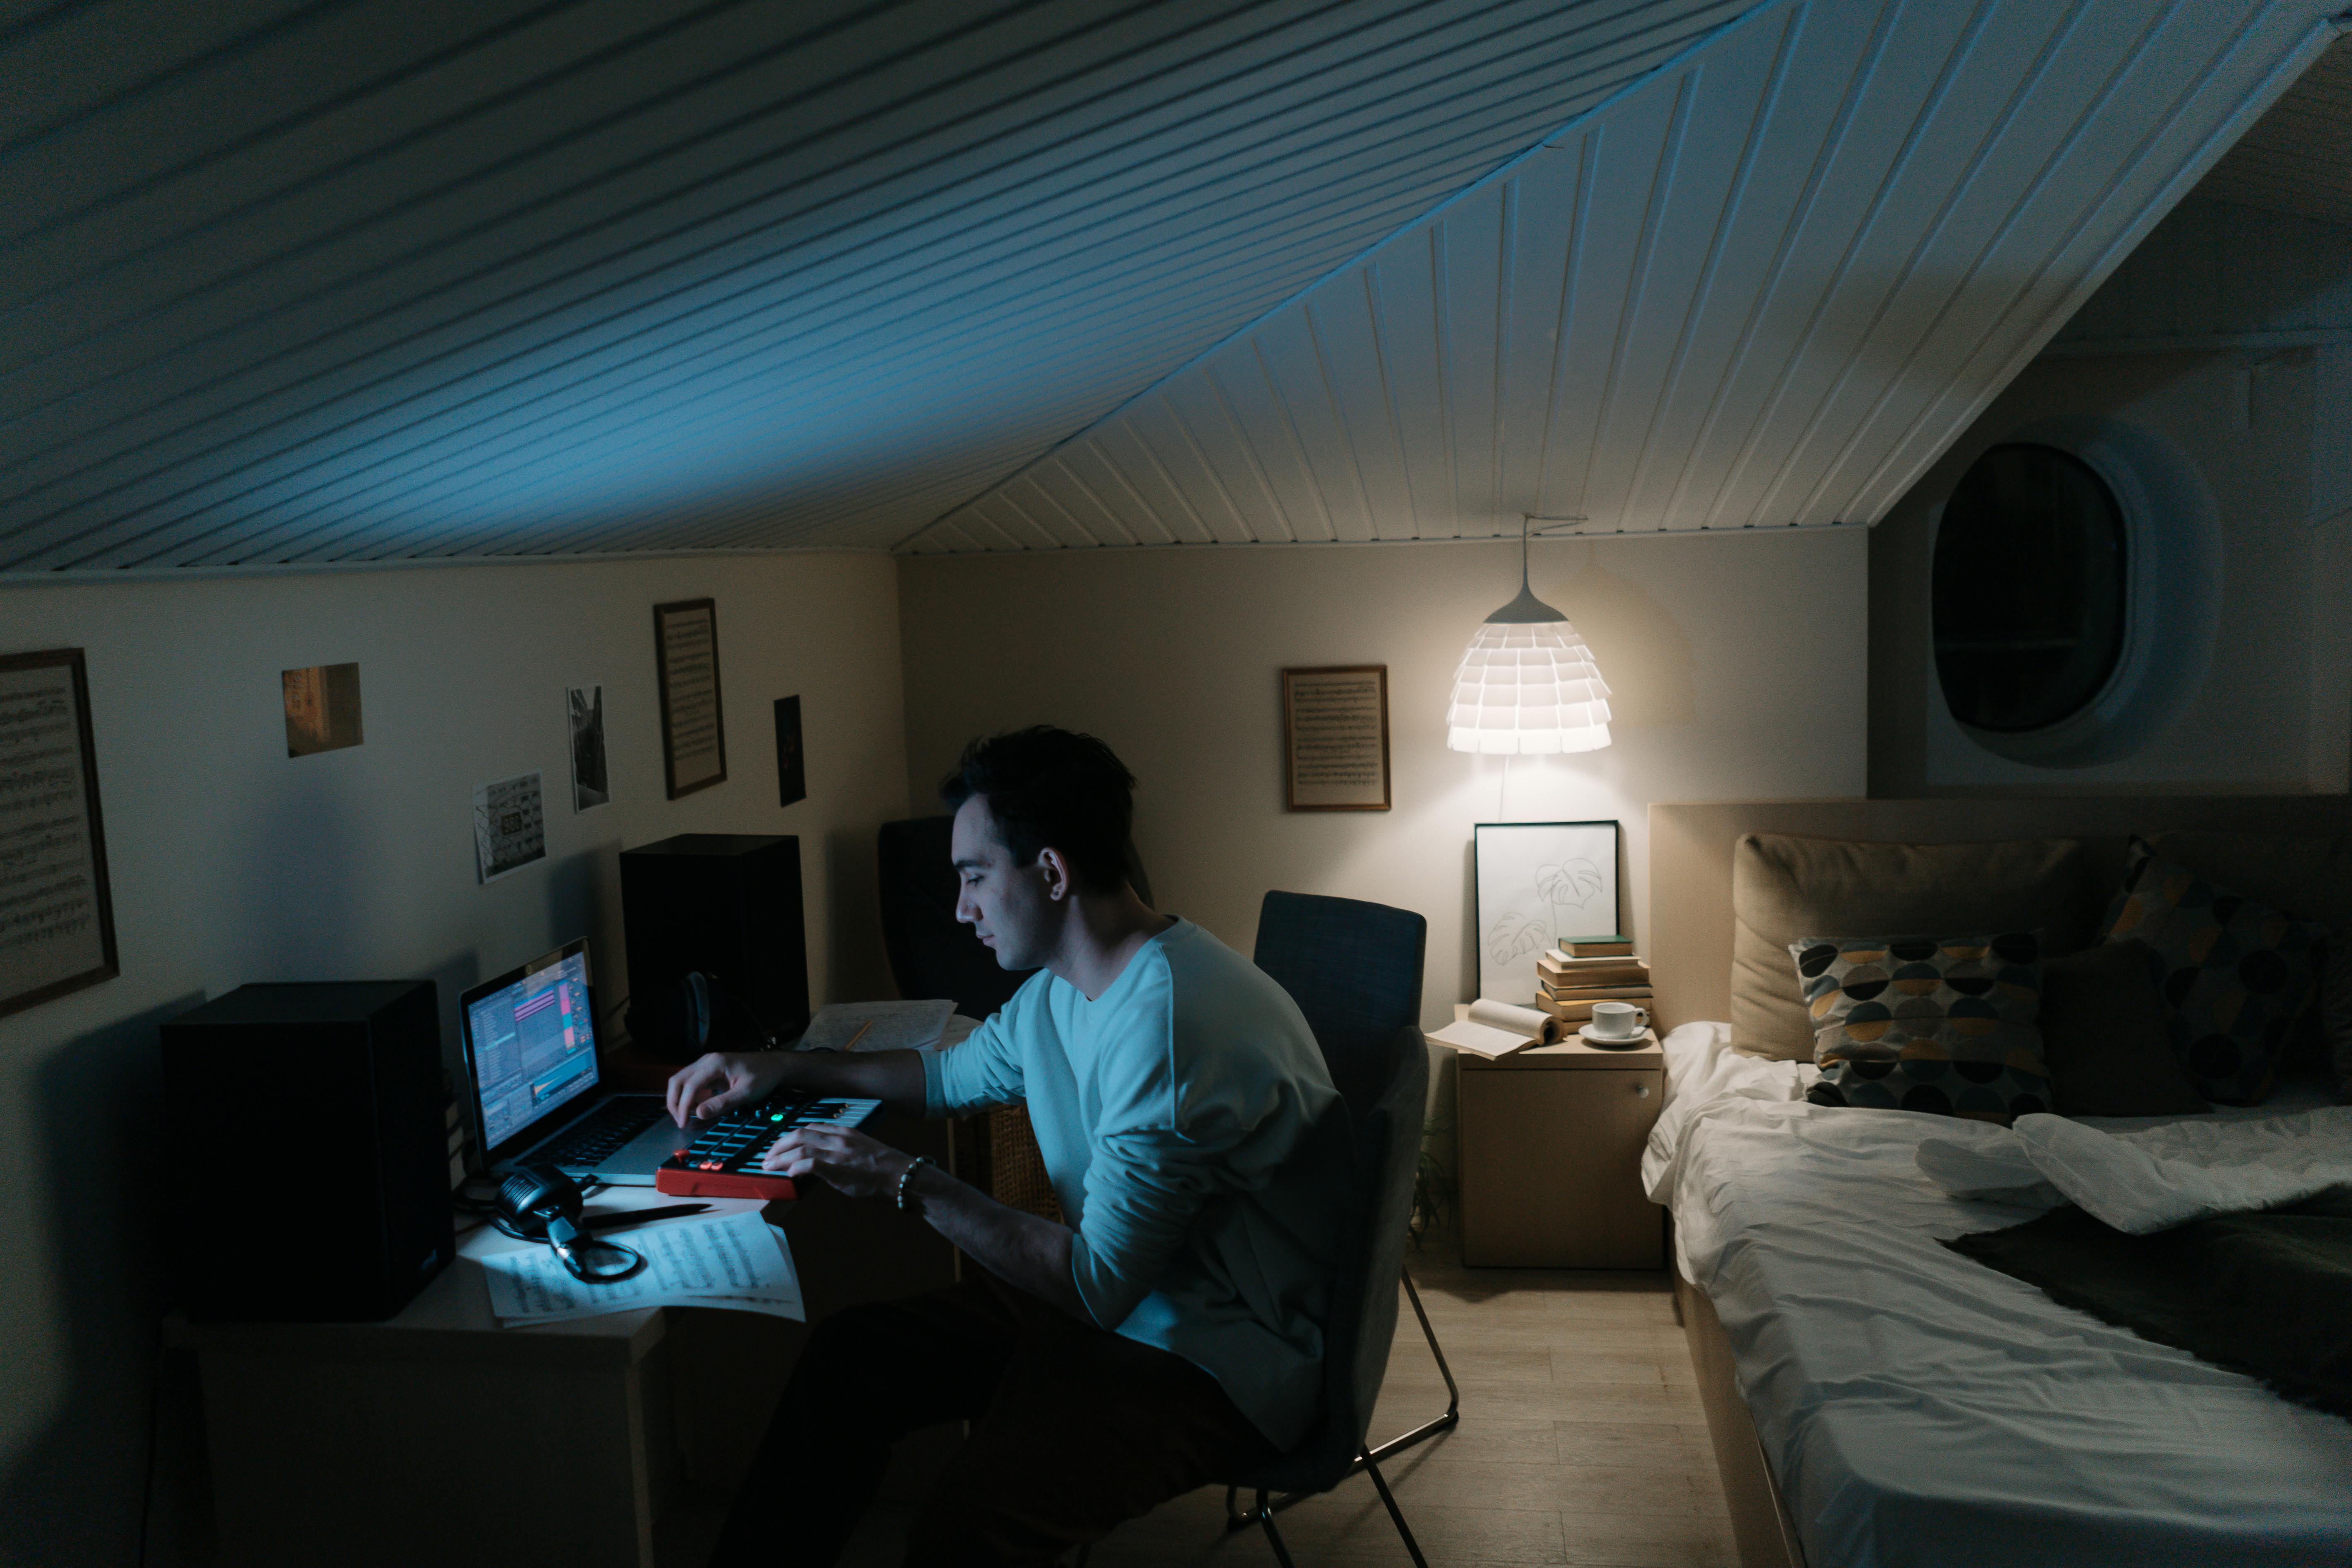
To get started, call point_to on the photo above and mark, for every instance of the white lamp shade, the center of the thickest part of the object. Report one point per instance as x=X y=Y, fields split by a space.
x=1528 y=690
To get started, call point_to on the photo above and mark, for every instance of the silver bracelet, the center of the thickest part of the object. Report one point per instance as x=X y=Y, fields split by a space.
x=917 y=1163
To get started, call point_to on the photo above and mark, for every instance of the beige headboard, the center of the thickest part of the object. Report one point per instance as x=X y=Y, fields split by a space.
x=1691 y=845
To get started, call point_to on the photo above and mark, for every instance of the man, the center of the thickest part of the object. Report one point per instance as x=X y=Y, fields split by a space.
x=1172 y=1333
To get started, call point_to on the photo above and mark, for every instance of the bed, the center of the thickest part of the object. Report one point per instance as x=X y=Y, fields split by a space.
x=1874 y=1398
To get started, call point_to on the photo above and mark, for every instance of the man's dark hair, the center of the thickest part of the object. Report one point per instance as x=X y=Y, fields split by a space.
x=1052 y=788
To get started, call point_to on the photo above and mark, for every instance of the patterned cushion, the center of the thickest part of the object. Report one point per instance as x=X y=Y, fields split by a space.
x=2335 y=1001
x=2235 y=974
x=1936 y=1023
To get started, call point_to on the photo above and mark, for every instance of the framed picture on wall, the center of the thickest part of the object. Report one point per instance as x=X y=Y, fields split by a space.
x=1334 y=738
x=694 y=740
x=59 y=935
x=1539 y=884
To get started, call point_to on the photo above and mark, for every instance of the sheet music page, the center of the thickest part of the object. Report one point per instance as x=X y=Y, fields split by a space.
x=49 y=926
x=725 y=1260
x=878 y=1027
x=1337 y=736
x=689 y=672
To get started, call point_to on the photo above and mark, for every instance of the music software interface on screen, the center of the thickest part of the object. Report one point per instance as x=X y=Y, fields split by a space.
x=534 y=1047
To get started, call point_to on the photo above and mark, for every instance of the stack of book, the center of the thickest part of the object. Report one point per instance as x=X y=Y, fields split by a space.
x=1571 y=977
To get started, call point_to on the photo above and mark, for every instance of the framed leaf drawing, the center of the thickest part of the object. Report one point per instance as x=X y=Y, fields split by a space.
x=1539 y=884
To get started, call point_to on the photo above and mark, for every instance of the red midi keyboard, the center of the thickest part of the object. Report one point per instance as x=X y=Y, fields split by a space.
x=723 y=1161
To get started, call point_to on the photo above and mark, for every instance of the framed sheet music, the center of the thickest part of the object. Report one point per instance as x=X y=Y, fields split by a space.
x=57 y=913
x=694 y=741
x=1334 y=738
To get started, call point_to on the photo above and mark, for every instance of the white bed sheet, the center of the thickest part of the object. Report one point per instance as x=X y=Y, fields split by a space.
x=1920 y=1408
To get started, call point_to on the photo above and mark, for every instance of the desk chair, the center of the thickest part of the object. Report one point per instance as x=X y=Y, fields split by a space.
x=1384 y=1151
x=1354 y=969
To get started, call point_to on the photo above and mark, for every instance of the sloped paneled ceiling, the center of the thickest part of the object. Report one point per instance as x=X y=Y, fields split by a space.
x=317 y=280
x=1765 y=288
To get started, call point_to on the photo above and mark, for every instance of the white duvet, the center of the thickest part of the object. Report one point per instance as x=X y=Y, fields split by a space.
x=1919 y=1408
x=2141 y=1182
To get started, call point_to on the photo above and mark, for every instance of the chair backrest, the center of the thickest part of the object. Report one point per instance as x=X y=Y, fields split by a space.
x=932 y=953
x=1381 y=1146
x=1354 y=969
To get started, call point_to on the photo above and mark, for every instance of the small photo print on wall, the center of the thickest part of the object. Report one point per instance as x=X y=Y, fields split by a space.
x=323 y=708
x=792 y=763
x=591 y=784
x=510 y=826
x=1539 y=884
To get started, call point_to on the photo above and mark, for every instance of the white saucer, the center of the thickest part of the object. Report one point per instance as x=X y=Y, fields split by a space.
x=1612 y=1042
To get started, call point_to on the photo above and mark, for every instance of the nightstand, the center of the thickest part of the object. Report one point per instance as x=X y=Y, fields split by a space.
x=1551 y=1146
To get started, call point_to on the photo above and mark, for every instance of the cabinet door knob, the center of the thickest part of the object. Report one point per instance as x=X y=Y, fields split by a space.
x=1641 y=1092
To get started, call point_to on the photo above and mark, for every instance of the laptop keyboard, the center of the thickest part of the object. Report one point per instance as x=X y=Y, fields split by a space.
x=603 y=1132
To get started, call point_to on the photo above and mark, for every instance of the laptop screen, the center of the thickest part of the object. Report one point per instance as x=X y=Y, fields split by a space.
x=531 y=1042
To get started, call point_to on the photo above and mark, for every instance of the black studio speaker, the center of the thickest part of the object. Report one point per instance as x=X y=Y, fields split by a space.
x=310 y=1175
x=725 y=906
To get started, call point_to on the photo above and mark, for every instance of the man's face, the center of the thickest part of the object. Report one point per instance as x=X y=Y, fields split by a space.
x=1009 y=906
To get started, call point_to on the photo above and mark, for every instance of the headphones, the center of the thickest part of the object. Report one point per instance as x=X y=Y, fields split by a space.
x=537 y=1201
x=688 y=1018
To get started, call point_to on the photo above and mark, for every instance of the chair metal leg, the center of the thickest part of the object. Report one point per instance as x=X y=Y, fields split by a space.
x=1261 y=1515
x=1427 y=1429
x=1372 y=1468
x=1453 y=1415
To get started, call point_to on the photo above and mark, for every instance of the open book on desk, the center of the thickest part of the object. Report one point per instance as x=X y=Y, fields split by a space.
x=1497 y=1029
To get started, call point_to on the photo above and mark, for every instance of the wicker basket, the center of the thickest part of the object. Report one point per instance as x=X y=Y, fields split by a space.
x=1016 y=1170
x=997 y=1153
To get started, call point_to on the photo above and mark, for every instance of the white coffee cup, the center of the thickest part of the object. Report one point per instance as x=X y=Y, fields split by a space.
x=1619 y=1020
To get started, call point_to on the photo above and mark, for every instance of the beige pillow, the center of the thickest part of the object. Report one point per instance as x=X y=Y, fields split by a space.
x=1784 y=889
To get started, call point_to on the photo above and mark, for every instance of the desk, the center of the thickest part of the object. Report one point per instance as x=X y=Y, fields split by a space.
x=439 y=1437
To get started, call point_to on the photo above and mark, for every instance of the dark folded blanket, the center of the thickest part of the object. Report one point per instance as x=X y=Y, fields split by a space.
x=2267 y=1294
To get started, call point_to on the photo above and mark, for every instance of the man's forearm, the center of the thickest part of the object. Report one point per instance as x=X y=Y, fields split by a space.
x=1021 y=1250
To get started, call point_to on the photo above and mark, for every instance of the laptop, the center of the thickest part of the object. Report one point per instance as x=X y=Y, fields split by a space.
x=530 y=1061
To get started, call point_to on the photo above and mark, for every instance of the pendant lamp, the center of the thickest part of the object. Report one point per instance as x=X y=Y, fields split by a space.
x=1527 y=685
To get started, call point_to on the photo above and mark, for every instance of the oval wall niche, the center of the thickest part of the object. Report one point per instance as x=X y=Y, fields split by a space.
x=2072 y=591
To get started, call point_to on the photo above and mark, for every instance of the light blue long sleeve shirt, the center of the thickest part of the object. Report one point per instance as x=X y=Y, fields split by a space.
x=1165 y=1108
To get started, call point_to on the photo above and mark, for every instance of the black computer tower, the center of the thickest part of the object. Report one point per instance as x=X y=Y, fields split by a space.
x=309 y=1172
x=724 y=905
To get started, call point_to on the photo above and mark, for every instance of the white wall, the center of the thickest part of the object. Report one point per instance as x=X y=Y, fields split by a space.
x=232 y=863
x=1737 y=660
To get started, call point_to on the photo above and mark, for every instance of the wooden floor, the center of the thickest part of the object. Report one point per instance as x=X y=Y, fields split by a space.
x=1581 y=1441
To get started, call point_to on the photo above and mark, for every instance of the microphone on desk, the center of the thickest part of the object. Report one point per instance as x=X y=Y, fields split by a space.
x=538 y=1202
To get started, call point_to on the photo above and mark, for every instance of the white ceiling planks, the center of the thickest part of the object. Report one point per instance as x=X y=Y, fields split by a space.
x=311 y=281
x=1763 y=288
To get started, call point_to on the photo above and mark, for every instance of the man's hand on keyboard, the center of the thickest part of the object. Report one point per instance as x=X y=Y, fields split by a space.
x=849 y=1160
x=717 y=1083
